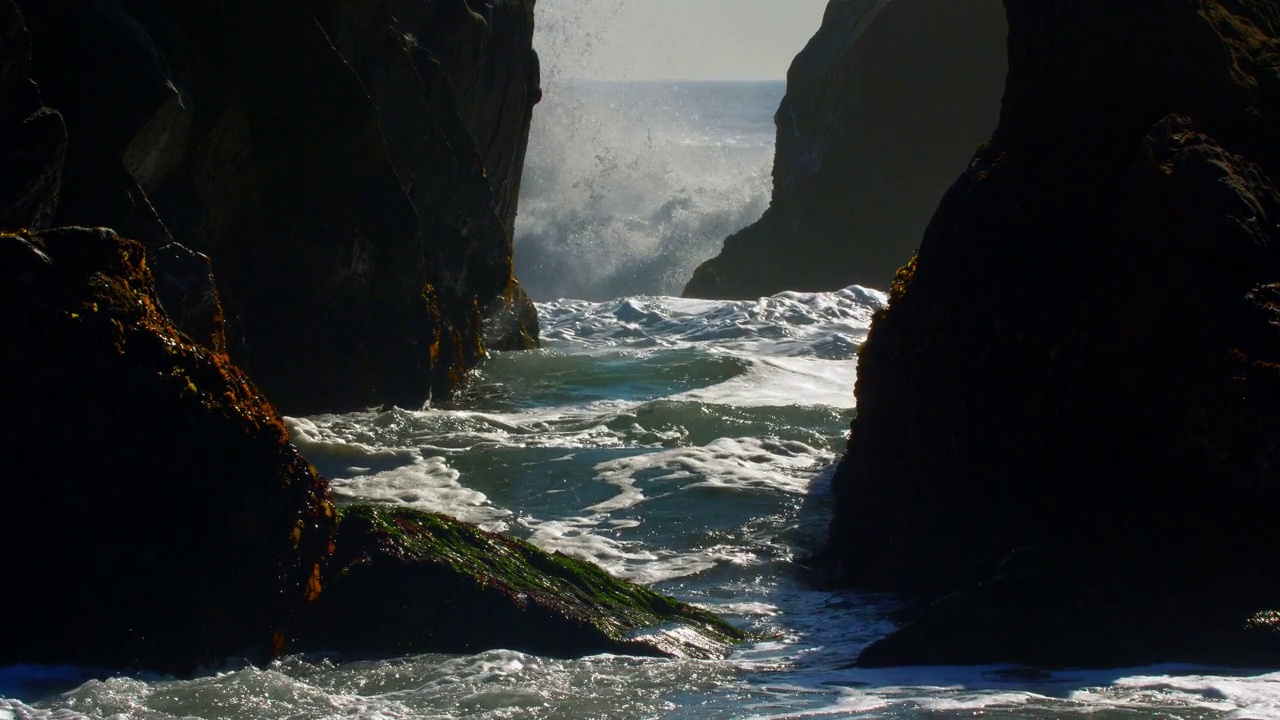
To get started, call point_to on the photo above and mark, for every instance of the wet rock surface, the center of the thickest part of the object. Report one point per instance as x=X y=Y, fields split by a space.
x=403 y=581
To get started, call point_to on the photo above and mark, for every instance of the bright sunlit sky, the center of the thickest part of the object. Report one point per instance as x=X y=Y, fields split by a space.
x=673 y=39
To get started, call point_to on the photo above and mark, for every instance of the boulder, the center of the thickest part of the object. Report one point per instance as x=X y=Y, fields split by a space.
x=403 y=581
x=884 y=107
x=1065 y=445
x=354 y=198
x=159 y=516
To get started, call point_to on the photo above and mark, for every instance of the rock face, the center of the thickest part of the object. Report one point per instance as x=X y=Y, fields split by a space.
x=350 y=168
x=160 y=517
x=884 y=107
x=32 y=137
x=1067 y=416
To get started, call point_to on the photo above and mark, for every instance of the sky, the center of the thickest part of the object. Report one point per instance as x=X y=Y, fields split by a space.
x=673 y=39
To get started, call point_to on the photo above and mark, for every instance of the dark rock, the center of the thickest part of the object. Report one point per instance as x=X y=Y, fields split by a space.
x=1067 y=416
x=33 y=138
x=188 y=294
x=407 y=582
x=355 y=198
x=884 y=107
x=161 y=519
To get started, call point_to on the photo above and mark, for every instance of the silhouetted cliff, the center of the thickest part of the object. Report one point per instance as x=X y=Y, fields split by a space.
x=1067 y=416
x=351 y=169
x=884 y=107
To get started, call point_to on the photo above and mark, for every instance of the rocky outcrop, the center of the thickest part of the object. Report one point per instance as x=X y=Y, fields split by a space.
x=489 y=591
x=1067 y=416
x=884 y=107
x=159 y=516
x=350 y=168
x=162 y=521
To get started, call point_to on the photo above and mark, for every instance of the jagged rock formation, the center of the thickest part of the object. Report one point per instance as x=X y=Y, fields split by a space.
x=167 y=522
x=884 y=107
x=1067 y=416
x=160 y=517
x=350 y=168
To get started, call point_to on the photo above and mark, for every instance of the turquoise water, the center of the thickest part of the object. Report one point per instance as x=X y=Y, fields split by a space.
x=685 y=444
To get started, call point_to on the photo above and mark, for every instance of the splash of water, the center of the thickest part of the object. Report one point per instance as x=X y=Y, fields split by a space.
x=629 y=185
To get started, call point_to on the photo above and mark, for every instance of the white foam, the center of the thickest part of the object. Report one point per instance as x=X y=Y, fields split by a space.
x=429 y=485
x=824 y=325
x=782 y=381
x=752 y=464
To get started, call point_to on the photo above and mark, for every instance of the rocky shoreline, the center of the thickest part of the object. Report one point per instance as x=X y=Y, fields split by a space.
x=349 y=175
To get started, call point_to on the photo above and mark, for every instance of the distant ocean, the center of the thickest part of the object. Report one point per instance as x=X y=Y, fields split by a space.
x=686 y=444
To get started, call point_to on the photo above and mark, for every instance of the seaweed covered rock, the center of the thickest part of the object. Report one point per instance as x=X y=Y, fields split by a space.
x=403 y=581
x=1067 y=416
x=159 y=517
x=884 y=107
x=355 y=199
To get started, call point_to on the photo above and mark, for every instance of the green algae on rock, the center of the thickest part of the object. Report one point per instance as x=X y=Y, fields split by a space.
x=1065 y=445
x=403 y=581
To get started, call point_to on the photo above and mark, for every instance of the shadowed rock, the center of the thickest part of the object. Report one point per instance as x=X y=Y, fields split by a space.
x=33 y=138
x=1067 y=415
x=355 y=199
x=159 y=516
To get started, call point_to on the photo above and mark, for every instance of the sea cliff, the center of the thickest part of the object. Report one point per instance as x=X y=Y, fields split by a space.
x=884 y=107
x=352 y=172
x=1065 y=446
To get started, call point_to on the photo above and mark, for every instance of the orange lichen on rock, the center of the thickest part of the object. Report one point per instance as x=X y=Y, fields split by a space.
x=201 y=509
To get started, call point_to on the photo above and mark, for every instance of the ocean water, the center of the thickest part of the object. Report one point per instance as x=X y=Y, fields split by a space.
x=685 y=444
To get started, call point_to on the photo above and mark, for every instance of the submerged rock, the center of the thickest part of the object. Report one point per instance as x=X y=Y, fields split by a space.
x=884 y=107
x=1067 y=416
x=404 y=581
x=351 y=169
